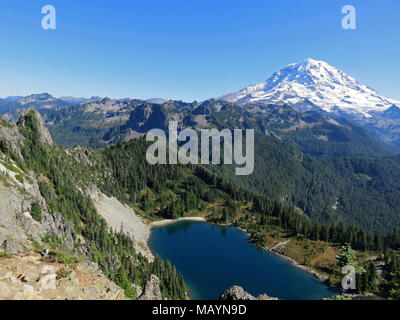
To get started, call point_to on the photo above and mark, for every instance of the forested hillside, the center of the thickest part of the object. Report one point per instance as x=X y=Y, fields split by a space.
x=63 y=179
x=177 y=191
x=359 y=192
x=163 y=191
x=351 y=178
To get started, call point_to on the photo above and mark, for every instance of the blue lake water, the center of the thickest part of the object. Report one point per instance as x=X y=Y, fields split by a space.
x=213 y=258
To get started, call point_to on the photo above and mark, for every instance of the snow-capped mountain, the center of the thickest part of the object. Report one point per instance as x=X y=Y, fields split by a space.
x=315 y=84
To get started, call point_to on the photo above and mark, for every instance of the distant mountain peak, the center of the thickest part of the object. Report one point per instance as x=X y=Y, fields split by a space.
x=314 y=83
x=157 y=100
x=41 y=96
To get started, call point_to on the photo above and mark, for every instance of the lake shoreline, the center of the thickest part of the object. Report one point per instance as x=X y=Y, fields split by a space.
x=160 y=241
x=165 y=222
x=322 y=278
x=292 y=261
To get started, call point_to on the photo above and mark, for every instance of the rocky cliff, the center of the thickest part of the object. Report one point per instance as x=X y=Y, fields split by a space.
x=152 y=289
x=20 y=197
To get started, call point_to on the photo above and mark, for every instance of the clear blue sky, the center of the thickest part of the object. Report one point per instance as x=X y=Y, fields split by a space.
x=189 y=49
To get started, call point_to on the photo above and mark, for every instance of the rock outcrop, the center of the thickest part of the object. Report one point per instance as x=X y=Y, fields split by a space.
x=19 y=191
x=44 y=134
x=17 y=226
x=152 y=290
x=238 y=293
x=31 y=277
x=9 y=133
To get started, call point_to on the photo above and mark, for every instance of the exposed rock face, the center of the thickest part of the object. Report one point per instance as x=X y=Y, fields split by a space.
x=139 y=289
x=18 y=228
x=238 y=293
x=44 y=133
x=19 y=190
x=11 y=135
x=147 y=117
x=116 y=214
x=152 y=290
x=15 y=226
x=56 y=224
x=30 y=277
x=13 y=245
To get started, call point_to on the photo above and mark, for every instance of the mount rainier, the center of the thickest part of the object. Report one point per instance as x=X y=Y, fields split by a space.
x=314 y=84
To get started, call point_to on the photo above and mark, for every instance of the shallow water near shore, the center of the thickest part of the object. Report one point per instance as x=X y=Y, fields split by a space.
x=213 y=258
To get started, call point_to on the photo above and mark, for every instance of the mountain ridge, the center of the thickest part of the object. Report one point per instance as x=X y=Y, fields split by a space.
x=313 y=132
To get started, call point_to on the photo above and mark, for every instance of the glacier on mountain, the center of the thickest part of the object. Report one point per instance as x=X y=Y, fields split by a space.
x=315 y=84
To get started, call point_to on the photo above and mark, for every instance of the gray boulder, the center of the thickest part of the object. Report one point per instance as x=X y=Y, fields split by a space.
x=152 y=289
x=238 y=293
